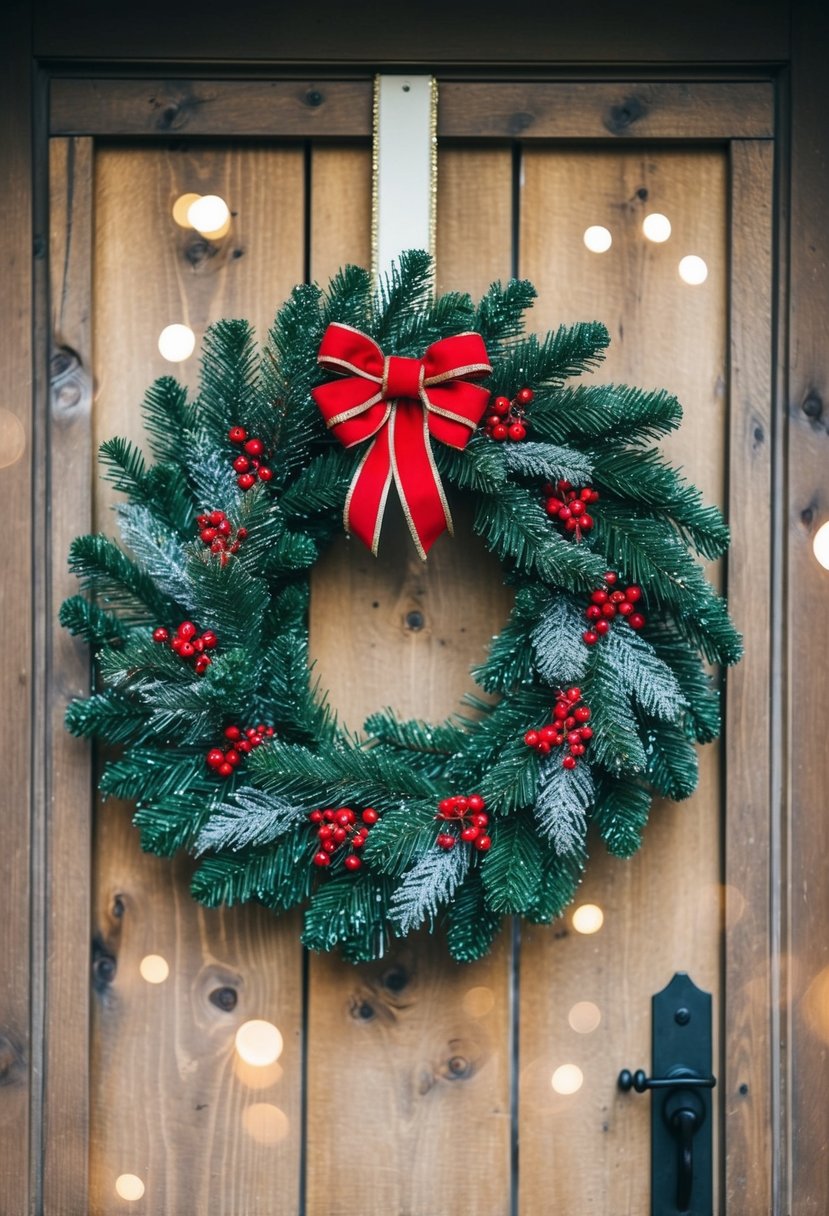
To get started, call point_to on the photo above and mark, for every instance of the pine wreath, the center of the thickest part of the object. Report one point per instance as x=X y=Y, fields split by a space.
x=199 y=622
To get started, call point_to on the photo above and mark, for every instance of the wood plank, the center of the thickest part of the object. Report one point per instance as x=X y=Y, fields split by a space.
x=234 y=108
x=426 y=1044
x=340 y=184
x=18 y=678
x=69 y=763
x=751 y=863
x=530 y=110
x=170 y=1100
x=590 y=1151
x=804 y=704
x=690 y=31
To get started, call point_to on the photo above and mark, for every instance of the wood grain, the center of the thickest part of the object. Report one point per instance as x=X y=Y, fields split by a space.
x=530 y=110
x=751 y=846
x=170 y=1103
x=211 y=107
x=427 y=1043
x=591 y=1151
x=801 y=734
x=18 y=676
x=69 y=765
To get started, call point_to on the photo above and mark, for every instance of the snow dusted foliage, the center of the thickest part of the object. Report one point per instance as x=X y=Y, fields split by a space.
x=547 y=460
x=562 y=800
x=157 y=549
x=251 y=818
x=561 y=656
x=646 y=677
x=430 y=883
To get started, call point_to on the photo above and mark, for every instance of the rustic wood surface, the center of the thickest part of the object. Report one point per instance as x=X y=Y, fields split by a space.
x=800 y=737
x=66 y=1113
x=211 y=107
x=529 y=110
x=17 y=679
x=751 y=842
x=590 y=1151
x=412 y=1052
x=170 y=1103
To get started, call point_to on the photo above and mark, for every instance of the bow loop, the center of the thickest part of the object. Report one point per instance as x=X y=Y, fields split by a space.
x=398 y=402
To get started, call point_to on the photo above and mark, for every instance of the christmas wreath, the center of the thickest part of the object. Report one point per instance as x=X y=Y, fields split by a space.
x=199 y=622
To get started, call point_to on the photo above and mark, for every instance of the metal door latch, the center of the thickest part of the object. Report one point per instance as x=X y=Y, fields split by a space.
x=681 y=1153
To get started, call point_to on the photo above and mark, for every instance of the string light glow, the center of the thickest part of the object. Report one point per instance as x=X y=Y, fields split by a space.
x=820 y=545
x=209 y=215
x=176 y=343
x=588 y=918
x=265 y=1123
x=258 y=1042
x=656 y=227
x=180 y=208
x=567 y=1079
x=597 y=239
x=584 y=1017
x=693 y=270
x=129 y=1187
x=154 y=969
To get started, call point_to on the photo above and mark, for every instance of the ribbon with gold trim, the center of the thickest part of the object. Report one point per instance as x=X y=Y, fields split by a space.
x=398 y=403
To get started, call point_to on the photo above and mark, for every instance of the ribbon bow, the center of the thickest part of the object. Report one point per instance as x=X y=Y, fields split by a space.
x=398 y=403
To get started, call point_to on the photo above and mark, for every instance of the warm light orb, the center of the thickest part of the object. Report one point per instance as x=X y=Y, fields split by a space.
x=176 y=343
x=209 y=215
x=567 y=1079
x=820 y=545
x=656 y=227
x=265 y=1123
x=258 y=1042
x=154 y=969
x=597 y=239
x=584 y=1017
x=180 y=208
x=129 y=1186
x=478 y=1002
x=693 y=270
x=588 y=918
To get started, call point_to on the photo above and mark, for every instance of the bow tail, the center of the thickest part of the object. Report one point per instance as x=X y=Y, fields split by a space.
x=365 y=501
x=418 y=482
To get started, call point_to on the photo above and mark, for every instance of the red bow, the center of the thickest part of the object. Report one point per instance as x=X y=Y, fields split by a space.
x=399 y=402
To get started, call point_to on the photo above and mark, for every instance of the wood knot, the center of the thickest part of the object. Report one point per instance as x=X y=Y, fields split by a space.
x=11 y=1061
x=519 y=121
x=104 y=966
x=621 y=118
x=69 y=384
x=414 y=620
x=458 y=1068
x=173 y=112
x=813 y=406
x=224 y=998
x=199 y=250
x=395 y=979
x=314 y=98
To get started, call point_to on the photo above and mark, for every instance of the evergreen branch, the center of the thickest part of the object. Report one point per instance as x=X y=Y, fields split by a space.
x=620 y=813
x=227 y=599
x=227 y=390
x=86 y=620
x=321 y=486
x=500 y=315
x=606 y=413
x=250 y=818
x=279 y=877
x=548 y=362
x=479 y=467
x=548 y=460
x=471 y=925
x=430 y=883
x=562 y=800
x=645 y=677
x=341 y=775
x=160 y=553
x=616 y=744
x=512 y=868
x=402 y=836
x=561 y=656
x=559 y=880
x=167 y=418
x=671 y=761
x=117 y=582
x=702 y=715
x=510 y=658
x=108 y=715
x=348 y=910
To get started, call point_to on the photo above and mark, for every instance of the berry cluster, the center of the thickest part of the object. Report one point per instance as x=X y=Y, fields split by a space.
x=606 y=603
x=337 y=827
x=506 y=418
x=189 y=644
x=569 y=726
x=249 y=464
x=216 y=531
x=469 y=815
x=241 y=742
x=563 y=502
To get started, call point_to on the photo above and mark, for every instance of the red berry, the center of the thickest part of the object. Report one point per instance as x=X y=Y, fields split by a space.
x=470 y=833
x=176 y=644
x=198 y=645
x=568 y=762
x=577 y=507
x=602 y=627
x=524 y=396
x=315 y=816
x=233 y=732
x=573 y=695
x=632 y=594
x=344 y=818
x=582 y=713
x=186 y=650
x=636 y=620
x=224 y=527
x=241 y=533
x=544 y=747
x=564 y=514
x=243 y=746
x=254 y=447
x=586 y=733
x=215 y=757
x=186 y=631
x=609 y=610
x=209 y=638
x=517 y=431
x=573 y=737
x=577 y=749
x=552 y=506
x=483 y=843
x=446 y=841
x=599 y=597
x=352 y=863
x=531 y=738
x=202 y=520
x=625 y=608
x=329 y=845
x=560 y=710
x=340 y=834
x=322 y=859
x=492 y=420
x=265 y=474
x=369 y=815
x=224 y=769
x=357 y=841
x=237 y=434
x=586 y=522
x=241 y=464
x=216 y=518
x=446 y=806
x=593 y=612
x=548 y=734
x=589 y=637
x=481 y=819
x=569 y=722
x=571 y=525
x=501 y=405
x=232 y=756
x=217 y=545
x=499 y=432
x=161 y=634
x=610 y=578
x=246 y=481
x=476 y=803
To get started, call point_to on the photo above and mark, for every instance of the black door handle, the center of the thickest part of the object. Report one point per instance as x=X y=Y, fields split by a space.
x=684 y=1123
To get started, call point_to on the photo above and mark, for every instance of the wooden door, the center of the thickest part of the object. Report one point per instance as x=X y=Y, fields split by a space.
x=414 y=1085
